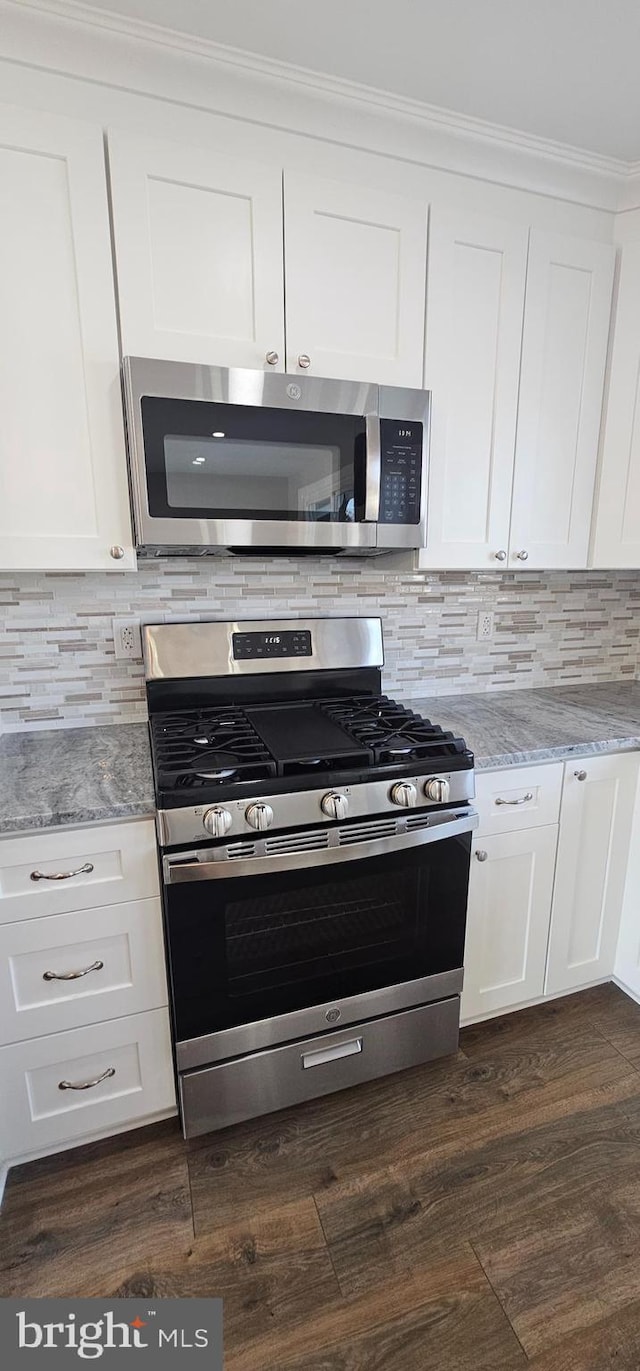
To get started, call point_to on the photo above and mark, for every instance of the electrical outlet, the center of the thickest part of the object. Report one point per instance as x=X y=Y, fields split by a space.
x=485 y=624
x=127 y=639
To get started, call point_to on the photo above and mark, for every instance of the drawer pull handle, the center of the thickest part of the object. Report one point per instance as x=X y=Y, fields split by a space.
x=481 y=855
x=71 y=975
x=62 y=875
x=331 y=1054
x=87 y=1085
x=524 y=799
x=580 y=775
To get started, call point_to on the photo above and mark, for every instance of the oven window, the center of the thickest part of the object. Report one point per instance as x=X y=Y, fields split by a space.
x=275 y=940
x=253 y=947
x=208 y=460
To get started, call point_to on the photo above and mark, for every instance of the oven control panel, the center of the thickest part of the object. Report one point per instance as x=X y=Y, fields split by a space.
x=252 y=647
x=400 y=471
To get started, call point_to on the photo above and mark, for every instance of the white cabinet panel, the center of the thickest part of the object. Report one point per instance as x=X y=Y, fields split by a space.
x=63 y=480
x=510 y=892
x=595 y=831
x=198 y=241
x=73 y=969
x=564 y=350
x=519 y=797
x=355 y=262
x=97 y=865
x=475 y=302
x=89 y=1080
x=617 y=529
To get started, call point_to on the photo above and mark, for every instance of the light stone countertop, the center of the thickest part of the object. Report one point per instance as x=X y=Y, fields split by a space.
x=89 y=775
x=74 y=776
x=516 y=727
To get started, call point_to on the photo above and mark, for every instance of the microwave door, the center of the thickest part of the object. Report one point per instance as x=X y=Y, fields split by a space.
x=214 y=475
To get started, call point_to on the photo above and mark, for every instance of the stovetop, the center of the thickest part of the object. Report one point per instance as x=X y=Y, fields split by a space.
x=226 y=751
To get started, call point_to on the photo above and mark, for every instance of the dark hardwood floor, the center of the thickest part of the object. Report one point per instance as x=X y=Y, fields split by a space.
x=478 y=1214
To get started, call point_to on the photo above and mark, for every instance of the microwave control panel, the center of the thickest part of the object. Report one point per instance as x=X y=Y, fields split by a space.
x=400 y=471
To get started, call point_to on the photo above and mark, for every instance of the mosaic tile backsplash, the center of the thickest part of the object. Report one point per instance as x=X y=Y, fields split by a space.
x=58 y=667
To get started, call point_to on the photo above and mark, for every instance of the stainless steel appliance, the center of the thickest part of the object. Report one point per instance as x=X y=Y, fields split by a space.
x=229 y=459
x=315 y=843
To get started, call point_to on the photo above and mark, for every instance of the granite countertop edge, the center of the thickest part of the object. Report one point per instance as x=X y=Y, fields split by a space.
x=71 y=777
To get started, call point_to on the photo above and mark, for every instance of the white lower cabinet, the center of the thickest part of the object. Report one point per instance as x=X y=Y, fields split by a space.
x=510 y=888
x=595 y=833
x=85 y=1044
x=71 y=969
x=554 y=869
x=91 y=1080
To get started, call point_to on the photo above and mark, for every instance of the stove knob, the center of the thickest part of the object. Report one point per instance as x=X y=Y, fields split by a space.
x=217 y=822
x=259 y=815
x=405 y=794
x=334 y=805
x=437 y=789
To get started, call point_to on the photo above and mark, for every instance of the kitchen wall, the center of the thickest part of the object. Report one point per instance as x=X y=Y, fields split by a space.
x=57 y=663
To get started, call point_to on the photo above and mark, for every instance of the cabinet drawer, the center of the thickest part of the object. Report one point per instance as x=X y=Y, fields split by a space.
x=73 y=969
x=121 y=1071
x=97 y=866
x=519 y=797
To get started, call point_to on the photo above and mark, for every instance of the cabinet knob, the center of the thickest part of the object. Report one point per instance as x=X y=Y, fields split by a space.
x=116 y=552
x=523 y=556
x=273 y=358
x=500 y=556
x=481 y=855
x=580 y=775
x=304 y=361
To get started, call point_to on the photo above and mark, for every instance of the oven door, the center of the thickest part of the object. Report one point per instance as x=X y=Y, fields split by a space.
x=231 y=458
x=269 y=948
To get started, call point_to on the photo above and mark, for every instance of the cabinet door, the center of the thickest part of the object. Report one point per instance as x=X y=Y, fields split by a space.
x=564 y=351
x=617 y=530
x=595 y=831
x=475 y=303
x=510 y=890
x=198 y=241
x=355 y=264
x=63 y=480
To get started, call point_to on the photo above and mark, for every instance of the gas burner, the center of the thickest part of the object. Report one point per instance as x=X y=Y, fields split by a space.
x=201 y=747
x=393 y=732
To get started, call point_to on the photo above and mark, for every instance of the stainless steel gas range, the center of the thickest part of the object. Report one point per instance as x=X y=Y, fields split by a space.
x=315 y=843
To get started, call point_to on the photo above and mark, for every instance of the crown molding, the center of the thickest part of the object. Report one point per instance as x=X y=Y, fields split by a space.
x=491 y=151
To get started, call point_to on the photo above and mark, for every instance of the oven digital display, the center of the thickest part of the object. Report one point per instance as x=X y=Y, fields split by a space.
x=254 y=646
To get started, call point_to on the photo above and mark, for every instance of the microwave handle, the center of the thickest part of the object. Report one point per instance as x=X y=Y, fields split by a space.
x=372 y=470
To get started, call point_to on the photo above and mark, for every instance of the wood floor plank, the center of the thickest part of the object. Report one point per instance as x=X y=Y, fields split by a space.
x=456 y=1103
x=444 y=1316
x=612 y=1343
x=78 y=1222
x=272 y=1272
x=397 y=1217
x=563 y=1268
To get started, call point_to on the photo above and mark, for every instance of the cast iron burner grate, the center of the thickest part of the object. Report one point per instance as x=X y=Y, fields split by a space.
x=393 y=733
x=204 y=747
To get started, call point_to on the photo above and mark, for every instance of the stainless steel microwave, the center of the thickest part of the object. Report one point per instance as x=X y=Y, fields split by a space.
x=228 y=459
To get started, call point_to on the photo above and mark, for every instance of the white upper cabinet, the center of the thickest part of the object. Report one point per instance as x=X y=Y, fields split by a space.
x=617 y=528
x=355 y=263
x=475 y=302
x=63 y=483
x=198 y=240
x=564 y=352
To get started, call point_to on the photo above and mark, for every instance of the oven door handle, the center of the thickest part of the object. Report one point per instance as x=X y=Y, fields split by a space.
x=372 y=471
x=195 y=866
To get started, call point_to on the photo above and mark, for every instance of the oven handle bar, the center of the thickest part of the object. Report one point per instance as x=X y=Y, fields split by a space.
x=180 y=868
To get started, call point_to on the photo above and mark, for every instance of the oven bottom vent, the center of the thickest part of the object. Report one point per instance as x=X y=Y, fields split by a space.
x=419 y=821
